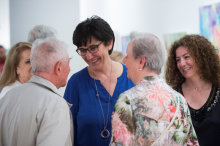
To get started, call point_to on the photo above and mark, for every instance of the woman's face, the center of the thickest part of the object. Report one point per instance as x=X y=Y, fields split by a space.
x=185 y=63
x=131 y=64
x=99 y=59
x=24 y=67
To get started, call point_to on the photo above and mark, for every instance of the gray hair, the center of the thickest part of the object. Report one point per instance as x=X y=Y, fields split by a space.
x=151 y=47
x=45 y=53
x=41 y=31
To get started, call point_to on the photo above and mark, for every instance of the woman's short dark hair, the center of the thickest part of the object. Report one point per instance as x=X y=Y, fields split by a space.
x=203 y=53
x=93 y=27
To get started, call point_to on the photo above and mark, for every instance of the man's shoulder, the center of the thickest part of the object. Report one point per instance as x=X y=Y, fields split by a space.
x=36 y=92
x=30 y=96
x=33 y=88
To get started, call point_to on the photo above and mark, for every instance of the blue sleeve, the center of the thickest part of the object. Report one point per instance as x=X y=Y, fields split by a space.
x=71 y=96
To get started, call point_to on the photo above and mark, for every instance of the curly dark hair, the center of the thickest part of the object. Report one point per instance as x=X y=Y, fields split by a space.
x=203 y=53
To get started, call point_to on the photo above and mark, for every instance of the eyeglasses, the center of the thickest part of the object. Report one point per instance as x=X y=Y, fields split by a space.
x=92 y=49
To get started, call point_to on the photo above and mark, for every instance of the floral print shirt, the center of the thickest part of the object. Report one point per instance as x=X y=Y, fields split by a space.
x=142 y=113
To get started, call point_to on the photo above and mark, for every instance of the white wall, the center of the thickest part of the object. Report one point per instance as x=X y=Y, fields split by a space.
x=154 y=16
x=4 y=24
x=62 y=15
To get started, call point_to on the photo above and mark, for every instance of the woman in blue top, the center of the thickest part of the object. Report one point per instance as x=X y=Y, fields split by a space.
x=94 y=90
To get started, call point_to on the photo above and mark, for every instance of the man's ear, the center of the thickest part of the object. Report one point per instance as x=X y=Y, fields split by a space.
x=57 y=68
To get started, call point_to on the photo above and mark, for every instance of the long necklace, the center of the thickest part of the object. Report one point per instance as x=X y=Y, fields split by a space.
x=105 y=123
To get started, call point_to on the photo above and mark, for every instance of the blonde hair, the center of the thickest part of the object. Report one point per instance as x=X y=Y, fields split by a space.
x=117 y=56
x=9 y=75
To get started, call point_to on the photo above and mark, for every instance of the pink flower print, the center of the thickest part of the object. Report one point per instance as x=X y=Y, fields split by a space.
x=158 y=94
x=119 y=130
x=171 y=111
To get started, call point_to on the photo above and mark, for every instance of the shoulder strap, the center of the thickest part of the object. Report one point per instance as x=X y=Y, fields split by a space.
x=168 y=127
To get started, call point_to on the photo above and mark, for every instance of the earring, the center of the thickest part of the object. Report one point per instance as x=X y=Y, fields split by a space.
x=140 y=69
x=17 y=73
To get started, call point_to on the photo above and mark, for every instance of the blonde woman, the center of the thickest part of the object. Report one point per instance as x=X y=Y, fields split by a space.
x=17 y=68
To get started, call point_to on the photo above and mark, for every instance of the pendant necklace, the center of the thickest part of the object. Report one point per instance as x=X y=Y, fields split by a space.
x=105 y=124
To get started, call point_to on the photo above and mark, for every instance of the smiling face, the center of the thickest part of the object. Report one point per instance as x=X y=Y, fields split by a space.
x=96 y=60
x=185 y=63
x=131 y=64
x=24 y=67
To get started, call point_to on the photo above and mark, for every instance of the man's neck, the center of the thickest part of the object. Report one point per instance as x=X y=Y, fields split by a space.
x=48 y=76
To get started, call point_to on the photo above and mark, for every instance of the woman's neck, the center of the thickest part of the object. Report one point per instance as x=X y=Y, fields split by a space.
x=197 y=83
x=143 y=73
x=20 y=80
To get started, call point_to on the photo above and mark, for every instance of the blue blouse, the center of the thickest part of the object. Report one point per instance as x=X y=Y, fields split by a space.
x=87 y=114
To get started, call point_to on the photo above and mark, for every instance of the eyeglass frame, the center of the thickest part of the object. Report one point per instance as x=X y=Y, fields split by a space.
x=87 y=49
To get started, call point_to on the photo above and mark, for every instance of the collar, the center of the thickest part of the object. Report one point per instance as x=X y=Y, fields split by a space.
x=17 y=82
x=149 y=78
x=54 y=87
x=43 y=82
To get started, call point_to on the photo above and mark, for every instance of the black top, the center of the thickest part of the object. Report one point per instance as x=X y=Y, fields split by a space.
x=206 y=120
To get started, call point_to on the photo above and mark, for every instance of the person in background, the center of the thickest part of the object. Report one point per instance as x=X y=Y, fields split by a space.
x=151 y=113
x=41 y=31
x=94 y=90
x=17 y=68
x=2 y=58
x=34 y=113
x=117 y=56
x=193 y=69
x=2 y=61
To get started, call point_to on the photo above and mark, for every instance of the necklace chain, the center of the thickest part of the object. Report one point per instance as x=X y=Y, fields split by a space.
x=105 y=123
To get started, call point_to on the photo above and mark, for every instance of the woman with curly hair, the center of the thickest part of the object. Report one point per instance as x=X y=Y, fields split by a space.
x=193 y=69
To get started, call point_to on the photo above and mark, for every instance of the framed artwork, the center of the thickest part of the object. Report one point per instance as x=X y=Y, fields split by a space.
x=210 y=23
x=169 y=39
x=125 y=41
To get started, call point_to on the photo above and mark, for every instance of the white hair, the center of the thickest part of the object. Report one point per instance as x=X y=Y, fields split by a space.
x=45 y=53
x=41 y=31
x=151 y=47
